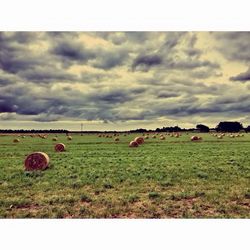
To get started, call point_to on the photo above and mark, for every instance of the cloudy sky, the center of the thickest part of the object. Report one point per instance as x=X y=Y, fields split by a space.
x=123 y=80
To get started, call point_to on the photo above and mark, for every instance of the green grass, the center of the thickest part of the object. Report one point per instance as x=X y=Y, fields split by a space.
x=99 y=178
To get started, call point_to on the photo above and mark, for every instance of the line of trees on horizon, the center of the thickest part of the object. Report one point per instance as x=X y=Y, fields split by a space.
x=221 y=127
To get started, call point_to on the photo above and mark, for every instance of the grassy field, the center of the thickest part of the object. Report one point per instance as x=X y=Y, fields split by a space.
x=98 y=178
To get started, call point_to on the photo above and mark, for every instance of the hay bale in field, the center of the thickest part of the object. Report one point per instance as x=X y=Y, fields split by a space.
x=36 y=161
x=219 y=136
x=117 y=139
x=194 y=138
x=133 y=144
x=139 y=140
x=232 y=136
x=60 y=147
x=146 y=137
x=153 y=136
x=16 y=140
x=176 y=135
x=54 y=139
x=69 y=138
x=162 y=138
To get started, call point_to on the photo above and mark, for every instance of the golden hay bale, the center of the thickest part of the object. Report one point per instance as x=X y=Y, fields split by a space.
x=162 y=138
x=16 y=140
x=116 y=139
x=23 y=136
x=60 y=147
x=139 y=140
x=232 y=136
x=219 y=136
x=194 y=138
x=146 y=137
x=176 y=135
x=99 y=135
x=36 y=161
x=69 y=138
x=153 y=136
x=133 y=144
x=54 y=139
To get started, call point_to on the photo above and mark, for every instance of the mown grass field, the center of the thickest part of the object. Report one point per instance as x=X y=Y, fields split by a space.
x=98 y=178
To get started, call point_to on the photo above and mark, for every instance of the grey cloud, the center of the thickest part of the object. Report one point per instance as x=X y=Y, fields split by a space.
x=47 y=75
x=72 y=51
x=242 y=77
x=235 y=45
x=146 y=61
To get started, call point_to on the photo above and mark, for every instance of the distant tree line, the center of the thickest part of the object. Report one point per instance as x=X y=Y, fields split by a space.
x=221 y=127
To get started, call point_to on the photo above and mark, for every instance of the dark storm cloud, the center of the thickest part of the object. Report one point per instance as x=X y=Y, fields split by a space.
x=13 y=60
x=109 y=59
x=47 y=75
x=242 y=77
x=190 y=64
x=166 y=94
x=73 y=51
x=146 y=61
x=235 y=45
x=6 y=79
x=14 y=54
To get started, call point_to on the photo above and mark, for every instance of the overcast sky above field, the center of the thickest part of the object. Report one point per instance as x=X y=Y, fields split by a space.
x=117 y=80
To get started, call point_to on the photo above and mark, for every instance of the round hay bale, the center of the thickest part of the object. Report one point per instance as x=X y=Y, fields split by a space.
x=36 y=161
x=16 y=140
x=162 y=138
x=139 y=140
x=154 y=136
x=117 y=139
x=69 y=138
x=54 y=139
x=60 y=147
x=146 y=137
x=177 y=135
x=194 y=138
x=219 y=136
x=133 y=144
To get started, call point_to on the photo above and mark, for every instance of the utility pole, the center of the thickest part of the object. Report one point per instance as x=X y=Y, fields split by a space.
x=81 y=128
